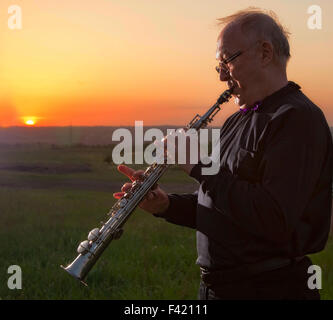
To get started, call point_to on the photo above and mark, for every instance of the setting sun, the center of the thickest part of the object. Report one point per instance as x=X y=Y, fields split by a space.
x=29 y=121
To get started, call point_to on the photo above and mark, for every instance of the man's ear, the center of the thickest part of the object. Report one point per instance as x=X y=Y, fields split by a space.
x=267 y=52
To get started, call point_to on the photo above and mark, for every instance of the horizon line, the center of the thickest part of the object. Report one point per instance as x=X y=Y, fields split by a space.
x=102 y=126
x=92 y=126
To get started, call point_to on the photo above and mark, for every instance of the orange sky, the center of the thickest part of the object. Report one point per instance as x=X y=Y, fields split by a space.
x=111 y=62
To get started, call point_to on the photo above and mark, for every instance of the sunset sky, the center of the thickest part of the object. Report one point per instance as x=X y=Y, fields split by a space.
x=111 y=62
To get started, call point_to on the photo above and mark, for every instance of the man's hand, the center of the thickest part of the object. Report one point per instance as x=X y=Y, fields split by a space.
x=156 y=201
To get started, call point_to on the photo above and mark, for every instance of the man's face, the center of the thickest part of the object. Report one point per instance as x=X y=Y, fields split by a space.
x=244 y=71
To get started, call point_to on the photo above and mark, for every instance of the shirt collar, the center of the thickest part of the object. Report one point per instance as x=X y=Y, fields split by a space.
x=276 y=96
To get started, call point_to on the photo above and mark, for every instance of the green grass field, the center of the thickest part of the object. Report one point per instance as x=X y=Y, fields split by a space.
x=45 y=215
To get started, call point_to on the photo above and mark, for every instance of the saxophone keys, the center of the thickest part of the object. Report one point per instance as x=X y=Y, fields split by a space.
x=93 y=234
x=83 y=247
x=148 y=171
x=135 y=185
x=122 y=203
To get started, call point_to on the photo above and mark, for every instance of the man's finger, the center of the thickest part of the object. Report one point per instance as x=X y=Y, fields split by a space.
x=127 y=186
x=118 y=195
x=137 y=174
x=127 y=171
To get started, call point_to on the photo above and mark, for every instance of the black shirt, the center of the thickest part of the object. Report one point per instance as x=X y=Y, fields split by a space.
x=272 y=196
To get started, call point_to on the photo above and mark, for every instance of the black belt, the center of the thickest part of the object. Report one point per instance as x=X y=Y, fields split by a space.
x=244 y=272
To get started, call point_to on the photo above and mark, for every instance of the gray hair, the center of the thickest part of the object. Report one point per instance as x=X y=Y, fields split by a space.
x=265 y=26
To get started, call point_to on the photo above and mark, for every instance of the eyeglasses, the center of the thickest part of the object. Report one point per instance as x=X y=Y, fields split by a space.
x=223 y=63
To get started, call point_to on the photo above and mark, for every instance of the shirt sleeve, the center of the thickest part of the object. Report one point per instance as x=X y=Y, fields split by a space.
x=182 y=210
x=296 y=146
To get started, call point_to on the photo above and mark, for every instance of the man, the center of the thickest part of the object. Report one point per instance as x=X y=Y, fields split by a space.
x=269 y=205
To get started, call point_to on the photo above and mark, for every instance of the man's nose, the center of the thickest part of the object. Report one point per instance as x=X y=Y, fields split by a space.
x=224 y=74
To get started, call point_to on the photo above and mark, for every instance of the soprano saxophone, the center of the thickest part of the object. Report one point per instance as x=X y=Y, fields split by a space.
x=99 y=238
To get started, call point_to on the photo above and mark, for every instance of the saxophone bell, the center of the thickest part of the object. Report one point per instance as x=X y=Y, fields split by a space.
x=75 y=269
